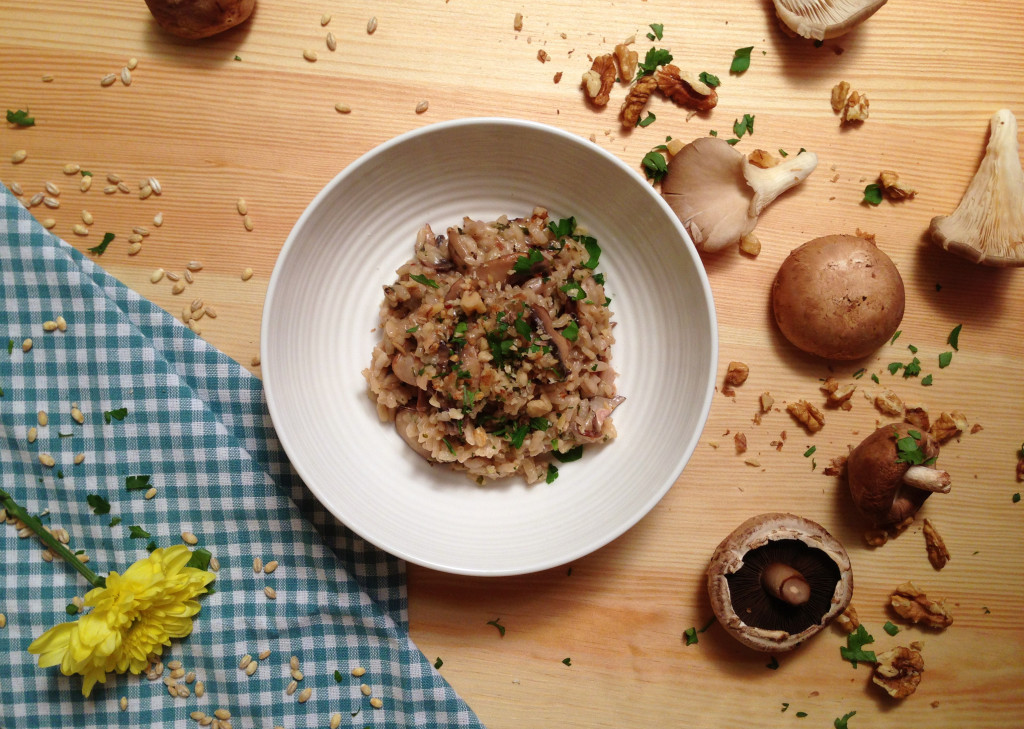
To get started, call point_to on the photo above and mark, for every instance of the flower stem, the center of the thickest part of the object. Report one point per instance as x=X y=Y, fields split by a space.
x=33 y=523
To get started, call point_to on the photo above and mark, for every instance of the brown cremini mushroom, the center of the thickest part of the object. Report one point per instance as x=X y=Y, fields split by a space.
x=839 y=297
x=890 y=474
x=777 y=580
x=199 y=18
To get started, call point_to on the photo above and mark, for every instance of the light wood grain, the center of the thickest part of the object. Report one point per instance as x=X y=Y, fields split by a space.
x=213 y=129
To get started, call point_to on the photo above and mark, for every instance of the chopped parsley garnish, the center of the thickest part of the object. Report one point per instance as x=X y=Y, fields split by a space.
x=741 y=60
x=420 y=278
x=859 y=373
x=338 y=677
x=713 y=133
x=438 y=663
x=21 y=118
x=552 y=473
x=647 y=120
x=200 y=559
x=912 y=348
x=874 y=377
x=539 y=423
x=117 y=414
x=573 y=454
x=564 y=228
x=743 y=126
x=448 y=446
x=908 y=450
x=85 y=173
x=785 y=705
x=102 y=247
x=895 y=367
x=99 y=504
x=655 y=165
x=926 y=381
x=655 y=57
x=890 y=628
x=573 y=290
x=1016 y=498
x=238 y=58
x=523 y=264
x=873 y=194
x=71 y=609
x=709 y=79
x=458 y=335
x=734 y=141
x=690 y=634
x=773 y=664
x=783 y=152
x=115 y=521
x=896 y=336
x=801 y=715
x=840 y=723
x=572 y=331
x=567 y=661
x=412 y=330
x=854 y=650
x=913 y=368
x=657 y=29
x=593 y=249
x=810 y=451
x=944 y=359
x=498 y=625
x=137 y=532
x=137 y=483
x=954 y=337
x=10 y=346
x=151 y=547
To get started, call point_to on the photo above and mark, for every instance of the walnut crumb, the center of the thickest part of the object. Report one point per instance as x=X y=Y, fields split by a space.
x=918 y=417
x=627 y=60
x=938 y=555
x=735 y=375
x=517 y=22
x=807 y=415
x=848 y=620
x=543 y=56
x=836 y=467
x=889 y=403
x=899 y=671
x=741 y=442
x=912 y=604
x=598 y=81
x=763 y=159
x=766 y=402
x=840 y=92
x=893 y=188
x=558 y=77
x=948 y=426
x=836 y=395
x=856 y=109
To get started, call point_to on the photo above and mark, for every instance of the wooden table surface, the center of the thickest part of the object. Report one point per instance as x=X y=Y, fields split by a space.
x=244 y=115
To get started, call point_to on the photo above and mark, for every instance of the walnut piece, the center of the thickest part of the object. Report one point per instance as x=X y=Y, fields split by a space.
x=946 y=426
x=836 y=395
x=836 y=467
x=766 y=402
x=899 y=671
x=839 y=94
x=914 y=605
x=627 y=61
x=517 y=22
x=598 y=81
x=807 y=415
x=878 y=537
x=741 y=442
x=763 y=159
x=750 y=244
x=889 y=403
x=848 y=620
x=856 y=108
x=893 y=188
x=736 y=374
x=938 y=555
x=636 y=101
x=919 y=417
x=543 y=56
x=685 y=88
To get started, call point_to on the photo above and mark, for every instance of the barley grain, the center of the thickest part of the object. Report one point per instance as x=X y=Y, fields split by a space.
x=257 y=565
x=132 y=63
x=155 y=185
x=49 y=326
x=110 y=189
x=200 y=689
x=123 y=187
x=189 y=538
x=178 y=287
x=52 y=189
x=247 y=274
x=47 y=78
x=47 y=460
x=134 y=248
x=49 y=223
x=269 y=567
x=173 y=666
x=222 y=714
x=358 y=671
x=36 y=199
x=342 y=108
x=195 y=266
x=42 y=418
x=156 y=275
x=365 y=690
x=87 y=217
x=47 y=555
x=83 y=558
x=251 y=668
x=26 y=345
x=85 y=184
x=79 y=229
x=210 y=311
x=242 y=206
x=16 y=189
x=264 y=654
x=78 y=602
x=305 y=694
x=126 y=76
x=124 y=703
x=197 y=716
x=32 y=433
x=291 y=688
x=172 y=276
x=297 y=674
x=19 y=156
x=247 y=222
x=214 y=564
x=332 y=42
x=309 y=55
x=194 y=327
x=255 y=361
x=244 y=663
x=158 y=219
x=196 y=305
x=208 y=721
x=270 y=592
x=62 y=324
x=76 y=414
x=51 y=202
x=71 y=168
x=145 y=192
x=335 y=720
x=79 y=458
x=183 y=691
x=190 y=677
x=325 y=19
x=376 y=703
x=108 y=79
x=150 y=493
x=113 y=178
x=293 y=663
x=188 y=276
x=371 y=25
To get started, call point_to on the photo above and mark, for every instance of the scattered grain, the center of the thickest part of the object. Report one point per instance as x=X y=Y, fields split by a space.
x=358 y=671
x=145 y=192
x=47 y=460
x=26 y=345
x=79 y=603
x=52 y=189
x=132 y=63
x=332 y=42
x=62 y=324
x=126 y=76
x=305 y=694
x=247 y=222
x=222 y=714
x=342 y=108
x=371 y=26
x=158 y=219
x=293 y=663
x=335 y=720
x=270 y=592
x=178 y=672
x=291 y=688
x=47 y=78
x=247 y=274
x=51 y=202
x=242 y=206
x=190 y=677
x=83 y=558
x=257 y=563
x=157 y=274
x=47 y=555
x=255 y=361
x=72 y=168
x=76 y=414
x=517 y=22
x=19 y=156
x=79 y=229
x=150 y=493
x=16 y=189
x=264 y=654
x=325 y=19
x=200 y=689
x=195 y=266
x=32 y=432
x=49 y=223
x=244 y=663
x=188 y=276
x=87 y=217
x=124 y=703
x=365 y=690
x=297 y=674
x=270 y=566
x=251 y=668
x=178 y=287
x=154 y=183
x=214 y=564
x=36 y=199
x=79 y=459
x=376 y=703
x=197 y=715
x=42 y=418
x=172 y=276
x=110 y=189
x=123 y=187
x=309 y=55
x=85 y=184
x=49 y=326
x=134 y=248
x=422 y=106
x=108 y=79
x=196 y=305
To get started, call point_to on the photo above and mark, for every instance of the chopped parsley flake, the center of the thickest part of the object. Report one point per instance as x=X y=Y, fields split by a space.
x=117 y=414
x=657 y=31
x=10 y=346
x=71 y=609
x=448 y=446
x=99 y=504
x=1016 y=498
x=420 y=278
x=412 y=330
x=859 y=373
x=912 y=348
x=743 y=126
x=840 y=723
x=785 y=705
x=896 y=336
x=102 y=247
x=137 y=532
x=655 y=57
x=913 y=368
x=801 y=715
x=573 y=454
x=783 y=152
x=895 y=367
x=593 y=249
x=908 y=450
x=854 y=650
x=21 y=118
x=151 y=547
x=498 y=625
x=647 y=120
x=567 y=661
x=338 y=676
x=690 y=634
x=944 y=359
x=954 y=337
x=773 y=664
x=873 y=194
x=137 y=483
x=115 y=521
x=890 y=628
x=438 y=663
x=655 y=165
x=572 y=331
x=710 y=79
x=874 y=377
x=741 y=60
x=810 y=451
x=552 y=473
x=926 y=381
x=200 y=559
x=523 y=264
x=713 y=132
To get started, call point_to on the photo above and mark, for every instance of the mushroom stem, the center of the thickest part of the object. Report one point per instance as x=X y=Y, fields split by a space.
x=927 y=479
x=785 y=583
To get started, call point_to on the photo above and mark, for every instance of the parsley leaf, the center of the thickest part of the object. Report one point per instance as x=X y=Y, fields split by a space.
x=137 y=483
x=99 y=504
x=593 y=249
x=810 y=451
x=741 y=60
x=874 y=378
x=563 y=228
x=338 y=677
x=117 y=414
x=498 y=625
x=115 y=521
x=658 y=29
x=573 y=454
x=552 y=473
x=783 y=152
x=102 y=247
x=655 y=57
x=655 y=165
x=567 y=661
x=647 y=120
x=420 y=278
x=926 y=380
x=873 y=194
x=137 y=532
x=854 y=650
x=438 y=663
x=571 y=332
x=841 y=722
x=10 y=346
x=1016 y=498
x=908 y=450
x=895 y=367
x=573 y=290
x=713 y=133
x=913 y=368
x=859 y=373
x=21 y=118
x=709 y=79
x=523 y=264
x=200 y=559
x=944 y=359
x=743 y=126
x=801 y=714
x=954 y=337
x=690 y=634
x=896 y=336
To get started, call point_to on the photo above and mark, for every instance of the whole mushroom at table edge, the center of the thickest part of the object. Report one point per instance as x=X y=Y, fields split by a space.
x=778 y=579
x=838 y=296
x=892 y=472
x=199 y=18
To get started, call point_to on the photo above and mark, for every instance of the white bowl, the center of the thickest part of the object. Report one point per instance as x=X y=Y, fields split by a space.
x=319 y=329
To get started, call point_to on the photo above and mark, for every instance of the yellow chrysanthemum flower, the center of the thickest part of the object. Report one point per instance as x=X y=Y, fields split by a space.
x=136 y=614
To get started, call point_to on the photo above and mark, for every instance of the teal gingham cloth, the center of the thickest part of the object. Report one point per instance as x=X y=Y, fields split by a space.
x=197 y=424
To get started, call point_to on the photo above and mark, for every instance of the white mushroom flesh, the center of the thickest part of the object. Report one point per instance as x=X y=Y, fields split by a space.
x=770 y=182
x=988 y=225
x=821 y=19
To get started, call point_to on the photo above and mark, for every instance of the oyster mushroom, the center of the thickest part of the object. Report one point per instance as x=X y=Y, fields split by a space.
x=405 y=423
x=777 y=580
x=717 y=193
x=821 y=19
x=890 y=474
x=988 y=225
x=839 y=297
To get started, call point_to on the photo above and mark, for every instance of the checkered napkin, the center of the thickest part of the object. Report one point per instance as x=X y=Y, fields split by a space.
x=197 y=425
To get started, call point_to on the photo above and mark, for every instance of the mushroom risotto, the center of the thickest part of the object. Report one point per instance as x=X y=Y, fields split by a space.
x=495 y=347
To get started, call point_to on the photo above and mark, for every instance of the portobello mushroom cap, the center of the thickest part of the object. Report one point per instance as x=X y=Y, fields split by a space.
x=199 y=18
x=777 y=580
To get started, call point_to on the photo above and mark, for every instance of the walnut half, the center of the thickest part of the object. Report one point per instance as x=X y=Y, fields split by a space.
x=636 y=101
x=807 y=415
x=938 y=555
x=598 y=81
x=899 y=671
x=685 y=88
x=912 y=604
